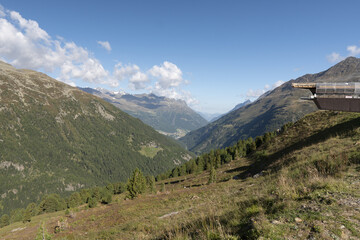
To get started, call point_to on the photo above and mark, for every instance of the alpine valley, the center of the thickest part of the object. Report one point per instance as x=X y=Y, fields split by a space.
x=168 y=116
x=55 y=138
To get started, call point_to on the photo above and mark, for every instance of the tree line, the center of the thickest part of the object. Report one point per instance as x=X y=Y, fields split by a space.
x=138 y=183
x=216 y=158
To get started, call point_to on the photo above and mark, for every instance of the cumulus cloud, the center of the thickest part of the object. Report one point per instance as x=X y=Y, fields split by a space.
x=168 y=75
x=122 y=72
x=24 y=44
x=334 y=57
x=353 y=50
x=168 y=81
x=175 y=93
x=138 y=81
x=105 y=45
x=252 y=94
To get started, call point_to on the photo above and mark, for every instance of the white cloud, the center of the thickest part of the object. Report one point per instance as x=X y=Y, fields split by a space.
x=175 y=93
x=168 y=75
x=353 y=50
x=168 y=81
x=31 y=28
x=334 y=57
x=123 y=72
x=255 y=93
x=138 y=81
x=24 y=44
x=277 y=84
x=105 y=45
x=252 y=94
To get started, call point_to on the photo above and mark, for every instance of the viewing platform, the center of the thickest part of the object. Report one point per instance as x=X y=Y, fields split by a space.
x=334 y=96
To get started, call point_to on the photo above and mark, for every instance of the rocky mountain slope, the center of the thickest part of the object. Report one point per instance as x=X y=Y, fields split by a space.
x=169 y=116
x=55 y=138
x=269 y=112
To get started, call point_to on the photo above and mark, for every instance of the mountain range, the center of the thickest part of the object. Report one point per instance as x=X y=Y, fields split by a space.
x=55 y=138
x=269 y=112
x=169 y=116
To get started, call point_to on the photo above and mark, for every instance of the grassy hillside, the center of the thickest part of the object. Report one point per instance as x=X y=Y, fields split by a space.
x=56 y=139
x=269 y=112
x=303 y=183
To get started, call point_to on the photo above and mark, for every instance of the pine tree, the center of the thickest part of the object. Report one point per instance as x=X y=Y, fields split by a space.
x=136 y=184
x=150 y=182
x=74 y=200
x=212 y=177
x=52 y=203
x=17 y=215
x=27 y=216
x=4 y=220
x=106 y=198
x=92 y=202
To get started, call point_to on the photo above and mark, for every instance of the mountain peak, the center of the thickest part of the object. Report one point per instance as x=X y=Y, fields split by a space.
x=4 y=65
x=348 y=69
x=169 y=116
x=351 y=59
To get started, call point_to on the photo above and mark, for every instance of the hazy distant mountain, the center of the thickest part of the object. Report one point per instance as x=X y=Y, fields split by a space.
x=56 y=138
x=209 y=116
x=269 y=112
x=235 y=108
x=169 y=116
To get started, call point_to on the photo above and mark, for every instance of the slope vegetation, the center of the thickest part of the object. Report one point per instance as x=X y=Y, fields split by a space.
x=56 y=139
x=269 y=112
x=302 y=183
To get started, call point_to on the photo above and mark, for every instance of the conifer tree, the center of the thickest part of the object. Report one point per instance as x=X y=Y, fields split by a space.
x=17 y=215
x=150 y=182
x=84 y=194
x=4 y=220
x=52 y=203
x=92 y=202
x=106 y=198
x=27 y=216
x=136 y=184
x=212 y=177
x=74 y=200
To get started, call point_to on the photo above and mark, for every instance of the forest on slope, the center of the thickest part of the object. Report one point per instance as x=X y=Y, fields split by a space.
x=55 y=138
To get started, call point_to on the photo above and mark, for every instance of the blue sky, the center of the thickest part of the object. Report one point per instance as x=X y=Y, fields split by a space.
x=212 y=54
